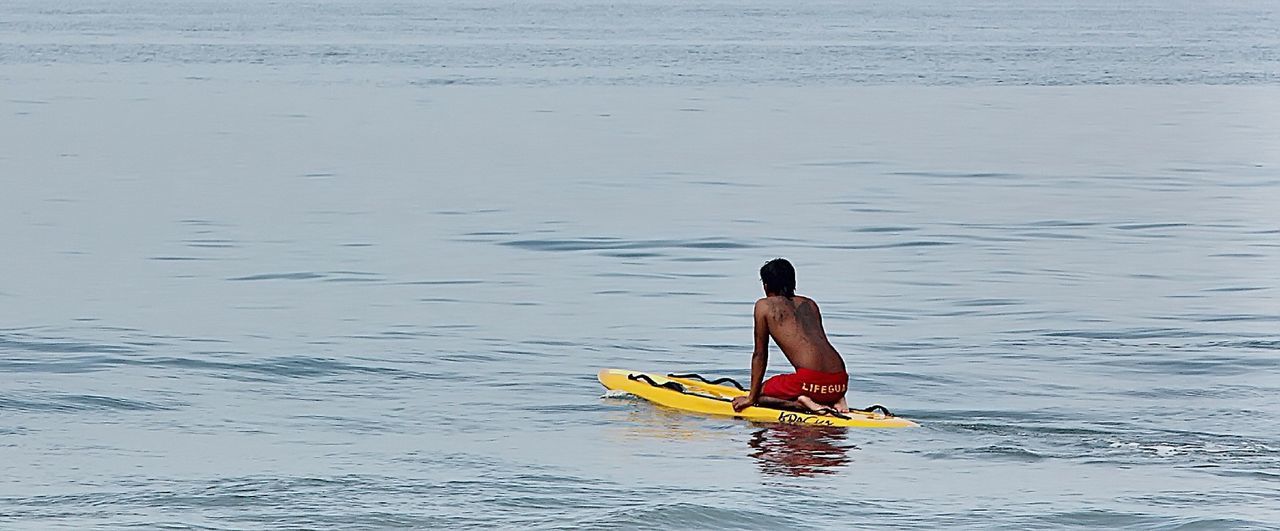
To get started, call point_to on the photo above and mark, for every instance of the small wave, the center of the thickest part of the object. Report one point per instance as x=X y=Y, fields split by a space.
x=885 y=229
x=393 y=335
x=616 y=394
x=351 y=279
x=55 y=345
x=1050 y=236
x=1249 y=344
x=474 y=80
x=1217 y=391
x=911 y=378
x=1251 y=474
x=1149 y=226
x=687 y=516
x=68 y=365
x=1098 y=519
x=1005 y=452
x=1204 y=448
x=1062 y=223
x=282 y=368
x=988 y=302
x=440 y=282
x=839 y=163
x=1205 y=365
x=728 y=184
x=606 y=244
x=210 y=243
x=1133 y=333
x=633 y=254
x=1219 y=318
x=550 y=342
x=1238 y=255
x=912 y=243
x=265 y=370
x=239 y=493
x=956 y=174
x=568 y=409
x=328 y=276
x=466 y=212
x=347 y=424
x=306 y=275
x=76 y=403
x=464 y=357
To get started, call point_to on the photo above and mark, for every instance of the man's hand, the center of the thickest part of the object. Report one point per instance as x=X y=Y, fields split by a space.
x=742 y=402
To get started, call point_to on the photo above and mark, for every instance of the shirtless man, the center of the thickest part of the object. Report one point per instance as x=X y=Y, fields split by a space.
x=796 y=326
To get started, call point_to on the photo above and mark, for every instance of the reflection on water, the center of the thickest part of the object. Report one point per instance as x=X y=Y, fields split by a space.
x=790 y=450
x=657 y=422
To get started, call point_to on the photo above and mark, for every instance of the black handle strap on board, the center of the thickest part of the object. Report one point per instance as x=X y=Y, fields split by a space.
x=876 y=407
x=832 y=412
x=717 y=381
x=870 y=410
x=674 y=386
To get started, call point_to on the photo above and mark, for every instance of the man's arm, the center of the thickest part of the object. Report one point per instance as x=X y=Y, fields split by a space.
x=759 y=359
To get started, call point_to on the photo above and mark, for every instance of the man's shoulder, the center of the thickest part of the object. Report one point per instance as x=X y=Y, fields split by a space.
x=771 y=301
x=765 y=304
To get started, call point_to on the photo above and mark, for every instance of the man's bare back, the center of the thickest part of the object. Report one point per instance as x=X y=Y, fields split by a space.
x=795 y=324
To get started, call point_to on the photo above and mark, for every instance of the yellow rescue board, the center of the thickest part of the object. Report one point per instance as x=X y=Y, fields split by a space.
x=702 y=397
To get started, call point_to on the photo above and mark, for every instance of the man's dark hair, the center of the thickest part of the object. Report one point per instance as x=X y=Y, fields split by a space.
x=779 y=277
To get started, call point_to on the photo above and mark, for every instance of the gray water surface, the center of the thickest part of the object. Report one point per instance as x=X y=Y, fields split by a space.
x=298 y=293
x=666 y=42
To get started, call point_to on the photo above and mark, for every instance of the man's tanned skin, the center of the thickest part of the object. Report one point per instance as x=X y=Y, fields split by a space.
x=795 y=324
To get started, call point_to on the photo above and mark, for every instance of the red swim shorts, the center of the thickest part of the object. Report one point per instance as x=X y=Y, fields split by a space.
x=822 y=387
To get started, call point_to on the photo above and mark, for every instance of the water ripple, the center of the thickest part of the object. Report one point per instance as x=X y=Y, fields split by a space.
x=279 y=368
x=607 y=243
x=53 y=345
x=672 y=515
x=306 y=275
x=72 y=403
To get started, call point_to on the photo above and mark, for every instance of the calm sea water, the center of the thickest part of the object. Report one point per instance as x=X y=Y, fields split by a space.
x=355 y=265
